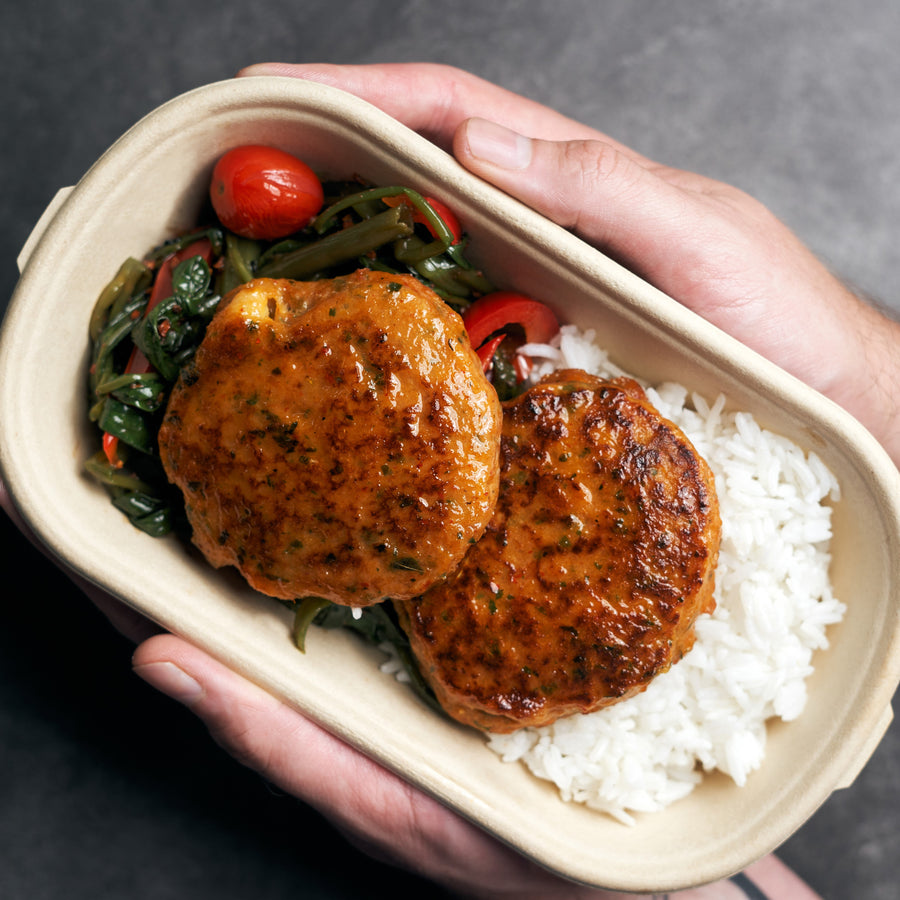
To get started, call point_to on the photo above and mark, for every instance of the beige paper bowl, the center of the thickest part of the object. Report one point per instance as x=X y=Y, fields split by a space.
x=149 y=185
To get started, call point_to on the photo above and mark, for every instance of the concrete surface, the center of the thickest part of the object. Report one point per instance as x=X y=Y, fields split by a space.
x=108 y=791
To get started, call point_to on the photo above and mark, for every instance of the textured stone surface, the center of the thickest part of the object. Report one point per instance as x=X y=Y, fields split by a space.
x=108 y=791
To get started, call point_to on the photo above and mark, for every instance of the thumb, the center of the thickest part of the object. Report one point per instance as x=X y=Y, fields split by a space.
x=373 y=807
x=610 y=197
x=710 y=246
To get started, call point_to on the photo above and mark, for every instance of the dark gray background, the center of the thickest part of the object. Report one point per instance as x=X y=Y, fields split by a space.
x=109 y=791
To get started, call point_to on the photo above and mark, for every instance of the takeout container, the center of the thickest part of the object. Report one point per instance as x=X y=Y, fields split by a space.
x=151 y=184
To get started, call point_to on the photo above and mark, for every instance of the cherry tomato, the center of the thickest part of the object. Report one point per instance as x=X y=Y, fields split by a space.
x=264 y=193
x=501 y=309
x=445 y=214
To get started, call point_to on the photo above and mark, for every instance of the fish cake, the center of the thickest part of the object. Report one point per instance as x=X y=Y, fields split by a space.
x=591 y=574
x=335 y=438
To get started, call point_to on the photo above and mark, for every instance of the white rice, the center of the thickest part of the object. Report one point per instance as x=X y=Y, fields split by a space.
x=752 y=655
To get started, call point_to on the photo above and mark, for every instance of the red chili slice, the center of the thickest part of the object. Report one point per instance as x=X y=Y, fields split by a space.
x=494 y=313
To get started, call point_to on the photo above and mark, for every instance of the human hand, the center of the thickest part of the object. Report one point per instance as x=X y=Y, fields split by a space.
x=389 y=819
x=710 y=246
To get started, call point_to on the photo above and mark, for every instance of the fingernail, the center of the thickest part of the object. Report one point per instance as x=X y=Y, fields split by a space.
x=497 y=144
x=171 y=681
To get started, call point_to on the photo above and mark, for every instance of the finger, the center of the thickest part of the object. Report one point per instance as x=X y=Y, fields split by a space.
x=710 y=246
x=434 y=99
x=384 y=815
x=633 y=209
x=615 y=198
x=707 y=244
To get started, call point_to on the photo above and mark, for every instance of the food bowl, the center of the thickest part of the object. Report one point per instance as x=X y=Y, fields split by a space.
x=151 y=184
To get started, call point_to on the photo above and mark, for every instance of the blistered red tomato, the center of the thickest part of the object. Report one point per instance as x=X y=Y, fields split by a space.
x=264 y=193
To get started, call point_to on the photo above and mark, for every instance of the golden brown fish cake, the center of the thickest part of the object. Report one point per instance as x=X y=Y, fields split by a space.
x=335 y=438
x=589 y=578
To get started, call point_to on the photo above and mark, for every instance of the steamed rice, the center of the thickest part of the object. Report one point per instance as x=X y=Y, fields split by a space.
x=752 y=656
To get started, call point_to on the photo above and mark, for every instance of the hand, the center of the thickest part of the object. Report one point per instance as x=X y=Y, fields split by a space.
x=710 y=246
x=389 y=820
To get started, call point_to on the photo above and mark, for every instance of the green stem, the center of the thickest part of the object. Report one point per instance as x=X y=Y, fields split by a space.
x=235 y=252
x=443 y=236
x=307 y=610
x=98 y=466
x=117 y=293
x=357 y=240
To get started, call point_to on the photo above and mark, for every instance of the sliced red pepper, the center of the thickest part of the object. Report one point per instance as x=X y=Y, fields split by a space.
x=447 y=217
x=497 y=311
x=487 y=350
x=111 y=450
x=162 y=286
x=443 y=212
x=138 y=364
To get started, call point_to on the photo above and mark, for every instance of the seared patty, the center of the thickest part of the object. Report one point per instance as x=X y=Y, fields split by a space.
x=335 y=438
x=589 y=578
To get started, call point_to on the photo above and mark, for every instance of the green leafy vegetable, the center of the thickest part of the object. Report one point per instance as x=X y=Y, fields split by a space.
x=340 y=246
x=171 y=332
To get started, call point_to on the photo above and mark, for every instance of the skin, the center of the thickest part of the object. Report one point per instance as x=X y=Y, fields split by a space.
x=737 y=265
